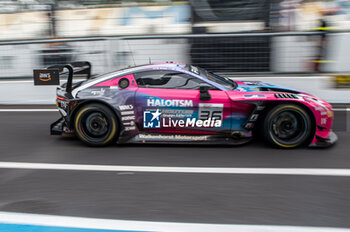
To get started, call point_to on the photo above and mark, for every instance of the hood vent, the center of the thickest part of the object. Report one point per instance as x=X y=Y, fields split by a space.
x=285 y=95
x=278 y=90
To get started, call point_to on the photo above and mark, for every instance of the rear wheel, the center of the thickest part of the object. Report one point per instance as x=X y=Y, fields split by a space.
x=287 y=126
x=96 y=125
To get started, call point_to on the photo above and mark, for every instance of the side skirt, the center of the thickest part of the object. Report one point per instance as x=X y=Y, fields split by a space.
x=154 y=138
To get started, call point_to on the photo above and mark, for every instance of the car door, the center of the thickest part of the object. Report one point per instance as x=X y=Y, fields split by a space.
x=169 y=102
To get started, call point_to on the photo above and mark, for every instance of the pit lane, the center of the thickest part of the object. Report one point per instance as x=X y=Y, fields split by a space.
x=183 y=197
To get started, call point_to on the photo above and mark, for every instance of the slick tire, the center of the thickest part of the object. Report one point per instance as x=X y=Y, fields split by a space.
x=286 y=126
x=96 y=125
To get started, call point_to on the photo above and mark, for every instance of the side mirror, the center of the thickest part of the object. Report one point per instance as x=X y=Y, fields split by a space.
x=204 y=92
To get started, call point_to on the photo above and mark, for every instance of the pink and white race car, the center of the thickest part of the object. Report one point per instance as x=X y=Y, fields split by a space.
x=178 y=103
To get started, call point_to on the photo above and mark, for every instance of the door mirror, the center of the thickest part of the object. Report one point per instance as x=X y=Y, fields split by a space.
x=204 y=92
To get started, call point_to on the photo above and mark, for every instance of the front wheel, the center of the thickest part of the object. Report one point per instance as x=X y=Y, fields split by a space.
x=287 y=126
x=96 y=125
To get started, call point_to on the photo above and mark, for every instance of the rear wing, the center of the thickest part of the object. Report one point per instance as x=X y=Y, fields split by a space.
x=51 y=75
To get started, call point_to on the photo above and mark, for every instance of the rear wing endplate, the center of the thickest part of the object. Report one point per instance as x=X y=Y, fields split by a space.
x=51 y=75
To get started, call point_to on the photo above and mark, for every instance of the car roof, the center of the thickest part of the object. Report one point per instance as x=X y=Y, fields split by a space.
x=149 y=67
x=146 y=67
x=156 y=66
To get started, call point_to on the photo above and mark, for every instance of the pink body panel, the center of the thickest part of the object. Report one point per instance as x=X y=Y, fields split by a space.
x=322 y=117
x=218 y=97
x=114 y=81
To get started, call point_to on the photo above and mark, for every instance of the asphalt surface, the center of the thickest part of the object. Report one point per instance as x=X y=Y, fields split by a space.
x=179 y=197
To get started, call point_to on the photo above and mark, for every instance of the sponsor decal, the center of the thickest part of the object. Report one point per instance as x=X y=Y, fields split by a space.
x=129 y=128
x=63 y=104
x=249 y=125
x=193 y=138
x=126 y=107
x=63 y=107
x=191 y=122
x=45 y=76
x=151 y=118
x=254 y=117
x=98 y=92
x=131 y=123
x=323 y=110
x=62 y=112
x=127 y=118
x=252 y=82
x=174 y=113
x=323 y=121
x=149 y=136
x=254 y=96
x=260 y=108
x=174 y=137
x=241 y=89
x=127 y=112
x=169 y=103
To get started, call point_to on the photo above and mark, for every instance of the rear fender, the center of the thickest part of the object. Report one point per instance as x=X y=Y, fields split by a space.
x=84 y=102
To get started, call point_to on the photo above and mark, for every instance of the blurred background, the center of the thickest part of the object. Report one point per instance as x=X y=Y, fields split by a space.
x=238 y=38
x=302 y=44
x=241 y=36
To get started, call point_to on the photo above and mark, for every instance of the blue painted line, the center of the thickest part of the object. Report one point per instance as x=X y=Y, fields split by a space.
x=35 y=228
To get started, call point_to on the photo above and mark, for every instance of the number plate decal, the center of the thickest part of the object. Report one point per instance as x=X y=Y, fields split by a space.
x=210 y=111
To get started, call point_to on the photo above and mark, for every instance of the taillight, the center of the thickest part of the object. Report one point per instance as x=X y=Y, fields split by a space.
x=62 y=98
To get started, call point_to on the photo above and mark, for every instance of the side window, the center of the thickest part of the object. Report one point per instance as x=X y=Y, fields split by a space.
x=167 y=80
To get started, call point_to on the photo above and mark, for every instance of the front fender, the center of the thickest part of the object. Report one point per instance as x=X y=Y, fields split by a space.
x=321 y=111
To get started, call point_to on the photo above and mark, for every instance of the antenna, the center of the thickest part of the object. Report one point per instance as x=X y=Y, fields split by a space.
x=149 y=60
x=132 y=55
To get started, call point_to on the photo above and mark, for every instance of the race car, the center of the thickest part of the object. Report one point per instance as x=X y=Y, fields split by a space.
x=177 y=103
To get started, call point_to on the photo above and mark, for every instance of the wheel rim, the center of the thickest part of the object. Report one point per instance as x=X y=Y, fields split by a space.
x=95 y=125
x=289 y=127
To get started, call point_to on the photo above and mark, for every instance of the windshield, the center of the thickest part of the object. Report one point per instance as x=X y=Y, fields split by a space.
x=225 y=82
